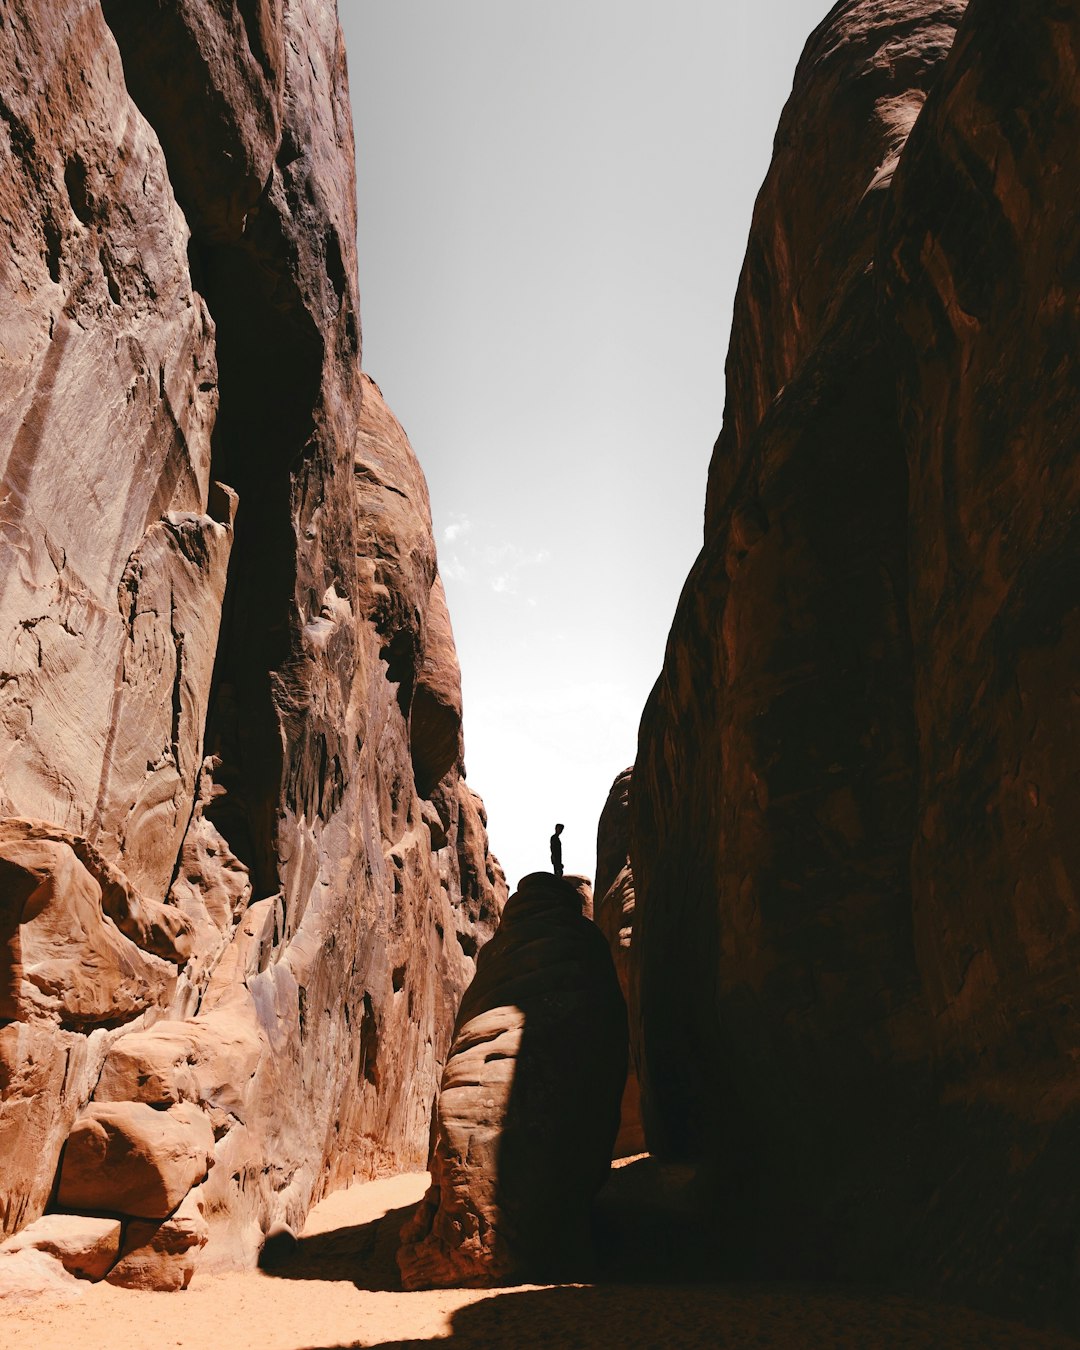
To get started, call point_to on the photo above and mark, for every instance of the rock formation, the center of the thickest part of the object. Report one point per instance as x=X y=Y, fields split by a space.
x=529 y=1106
x=854 y=832
x=613 y=913
x=242 y=878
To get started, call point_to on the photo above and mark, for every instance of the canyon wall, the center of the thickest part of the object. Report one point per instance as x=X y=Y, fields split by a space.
x=854 y=811
x=242 y=878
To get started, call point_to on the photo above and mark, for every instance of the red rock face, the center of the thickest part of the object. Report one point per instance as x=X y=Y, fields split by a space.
x=853 y=970
x=217 y=797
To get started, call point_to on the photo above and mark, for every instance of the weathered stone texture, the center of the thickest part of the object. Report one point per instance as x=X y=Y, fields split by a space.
x=979 y=261
x=860 y=86
x=107 y=398
x=220 y=131
x=529 y=1104
x=238 y=878
x=853 y=977
x=65 y=961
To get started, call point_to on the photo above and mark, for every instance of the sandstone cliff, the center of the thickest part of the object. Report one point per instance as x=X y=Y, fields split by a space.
x=854 y=985
x=242 y=878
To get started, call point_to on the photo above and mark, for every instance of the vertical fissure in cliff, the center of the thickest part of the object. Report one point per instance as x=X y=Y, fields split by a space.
x=269 y=363
x=270 y=358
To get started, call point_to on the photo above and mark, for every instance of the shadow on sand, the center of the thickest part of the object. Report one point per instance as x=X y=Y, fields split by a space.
x=653 y=1291
x=712 y=1317
x=362 y=1254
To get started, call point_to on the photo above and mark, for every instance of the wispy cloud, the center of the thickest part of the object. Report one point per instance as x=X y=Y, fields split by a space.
x=457 y=529
x=501 y=566
x=452 y=568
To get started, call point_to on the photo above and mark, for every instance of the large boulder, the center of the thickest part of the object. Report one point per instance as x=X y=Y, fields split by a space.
x=529 y=1105
x=127 y=1158
x=209 y=1060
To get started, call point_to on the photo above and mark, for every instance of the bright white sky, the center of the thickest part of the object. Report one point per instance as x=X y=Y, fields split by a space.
x=554 y=202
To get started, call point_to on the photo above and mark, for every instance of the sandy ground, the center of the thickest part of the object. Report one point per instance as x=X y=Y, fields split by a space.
x=339 y=1291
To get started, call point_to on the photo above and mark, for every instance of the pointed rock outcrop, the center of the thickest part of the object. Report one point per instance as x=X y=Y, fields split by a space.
x=529 y=1104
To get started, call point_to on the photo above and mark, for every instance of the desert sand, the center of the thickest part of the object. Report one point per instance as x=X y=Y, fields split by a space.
x=341 y=1290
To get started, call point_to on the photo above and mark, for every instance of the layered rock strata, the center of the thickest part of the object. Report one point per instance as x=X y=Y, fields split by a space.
x=529 y=1105
x=613 y=913
x=242 y=878
x=855 y=942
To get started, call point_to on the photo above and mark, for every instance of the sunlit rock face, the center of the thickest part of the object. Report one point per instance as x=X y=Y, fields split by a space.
x=613 y=912
x=529 y=1105
x=242 y=878
x=854 y=965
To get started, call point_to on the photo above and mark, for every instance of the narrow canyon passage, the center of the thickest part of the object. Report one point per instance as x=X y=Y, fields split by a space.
x=259 y=962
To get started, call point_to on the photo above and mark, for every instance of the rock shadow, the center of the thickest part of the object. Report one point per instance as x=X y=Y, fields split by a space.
x=722 y=1317
x=362 y=1254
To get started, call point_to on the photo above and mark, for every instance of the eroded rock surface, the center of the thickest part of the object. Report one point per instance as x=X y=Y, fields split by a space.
x=529 y=1105
x=65 y=960
x=242 y=878
x=853 y=976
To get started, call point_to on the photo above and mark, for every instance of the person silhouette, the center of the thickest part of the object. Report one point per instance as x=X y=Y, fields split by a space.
x=556 y=851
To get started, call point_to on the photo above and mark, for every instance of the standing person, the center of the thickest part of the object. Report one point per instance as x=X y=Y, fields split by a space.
x=556 y=851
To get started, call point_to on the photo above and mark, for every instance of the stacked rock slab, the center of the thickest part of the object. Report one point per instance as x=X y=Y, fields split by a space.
x=241 y=884
x=614 y=916
x=529 y=1105
x=858 y=892
x=86 y=1247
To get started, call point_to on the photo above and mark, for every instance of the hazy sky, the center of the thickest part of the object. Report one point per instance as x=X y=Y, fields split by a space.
x=554 y=202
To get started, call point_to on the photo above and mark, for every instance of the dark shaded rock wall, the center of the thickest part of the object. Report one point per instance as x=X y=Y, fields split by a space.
x=855 y=801
x=613 y=913
x=219 y=608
